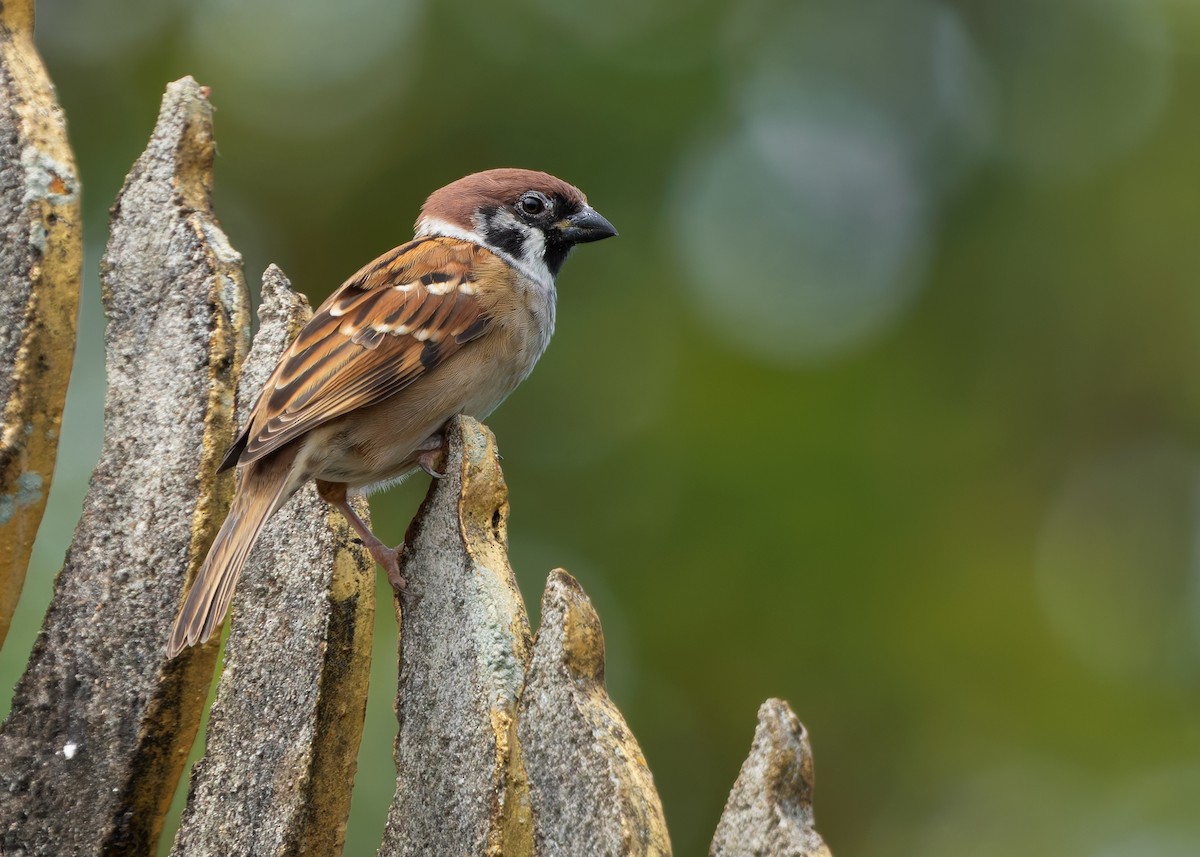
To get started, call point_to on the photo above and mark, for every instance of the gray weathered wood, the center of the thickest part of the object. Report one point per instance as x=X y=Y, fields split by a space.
x=464 y=645
x=769 y=811
x=283 y=736
x=101 y=722
x=589 y=786
x=42 y=241
x=505 y=746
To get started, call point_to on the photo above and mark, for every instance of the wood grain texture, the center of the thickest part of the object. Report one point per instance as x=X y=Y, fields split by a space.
x=42 y=237
x=283 y=736
x=464 y=646
x=101 y=722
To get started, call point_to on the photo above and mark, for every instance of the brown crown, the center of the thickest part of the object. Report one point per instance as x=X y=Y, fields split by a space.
x=458 y=201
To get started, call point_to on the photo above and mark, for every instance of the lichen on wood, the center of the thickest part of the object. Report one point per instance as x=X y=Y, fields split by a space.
x=101 y=722
x=507 y=744
x=41 y=234
x=505 y=747
x=285 y=727
x=464 y=644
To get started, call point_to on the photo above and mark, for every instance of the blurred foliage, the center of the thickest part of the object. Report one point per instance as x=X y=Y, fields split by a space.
x=881 y=402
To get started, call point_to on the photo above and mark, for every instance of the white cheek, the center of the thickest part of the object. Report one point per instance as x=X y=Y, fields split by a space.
x=535 y=247
x=531 y=262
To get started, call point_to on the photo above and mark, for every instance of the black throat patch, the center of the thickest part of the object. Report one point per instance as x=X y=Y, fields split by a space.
x=556 y=253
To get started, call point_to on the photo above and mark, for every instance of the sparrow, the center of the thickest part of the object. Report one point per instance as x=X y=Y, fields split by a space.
x=449 y=323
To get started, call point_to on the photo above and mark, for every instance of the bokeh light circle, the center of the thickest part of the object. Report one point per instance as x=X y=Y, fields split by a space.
x=800 y=235
x=805 y=227
x=1077 y=82
x=915 y=62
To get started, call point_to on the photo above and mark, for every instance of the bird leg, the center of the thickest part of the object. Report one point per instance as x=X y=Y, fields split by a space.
x=388 y=557
x=334 y=493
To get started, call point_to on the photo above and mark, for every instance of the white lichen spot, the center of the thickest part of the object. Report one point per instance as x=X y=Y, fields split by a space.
x=231 y=293
x=29 y=488
x=218 y=242
x=29 y=491
x=47 y=179
x=37 y=236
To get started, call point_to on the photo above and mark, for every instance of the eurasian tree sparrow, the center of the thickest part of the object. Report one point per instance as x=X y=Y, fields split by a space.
x=449 y=323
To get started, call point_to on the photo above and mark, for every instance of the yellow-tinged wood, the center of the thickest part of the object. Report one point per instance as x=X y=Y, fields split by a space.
x=644 y=828
x=516 y=812
x=483 y=521
x=286 y=725
x=49 y=215
x=341 y=706
x=461 y=785
x=346 y=672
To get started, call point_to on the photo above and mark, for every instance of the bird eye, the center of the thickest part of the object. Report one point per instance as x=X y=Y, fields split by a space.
x=533 y=203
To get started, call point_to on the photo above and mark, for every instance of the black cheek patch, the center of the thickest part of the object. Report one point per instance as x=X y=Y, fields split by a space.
x=508 y=239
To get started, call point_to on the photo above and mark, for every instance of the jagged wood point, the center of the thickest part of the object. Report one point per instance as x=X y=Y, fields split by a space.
x=508 y=743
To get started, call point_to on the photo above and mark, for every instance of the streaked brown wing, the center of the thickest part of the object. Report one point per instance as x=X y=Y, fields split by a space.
x=386 y=326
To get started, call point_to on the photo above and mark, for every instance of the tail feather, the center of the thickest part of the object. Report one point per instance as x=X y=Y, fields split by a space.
x=264 y=488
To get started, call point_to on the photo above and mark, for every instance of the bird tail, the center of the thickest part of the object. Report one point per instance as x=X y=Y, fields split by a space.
x=263 y=489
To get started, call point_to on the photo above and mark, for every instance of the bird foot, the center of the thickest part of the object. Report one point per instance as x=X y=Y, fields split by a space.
x=433 y=462
x=389 y=558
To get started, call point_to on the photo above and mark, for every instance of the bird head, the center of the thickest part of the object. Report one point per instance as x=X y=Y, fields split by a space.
x=532 y=218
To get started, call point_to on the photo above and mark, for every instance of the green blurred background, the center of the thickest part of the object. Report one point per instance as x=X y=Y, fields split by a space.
x=881 y=403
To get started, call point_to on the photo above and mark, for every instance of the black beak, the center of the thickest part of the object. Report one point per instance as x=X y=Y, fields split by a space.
x=586 y=225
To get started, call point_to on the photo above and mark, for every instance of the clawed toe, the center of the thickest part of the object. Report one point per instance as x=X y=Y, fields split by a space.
x=396 y=579
x=389 y=558
x=385 y=556
x=433 y=462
